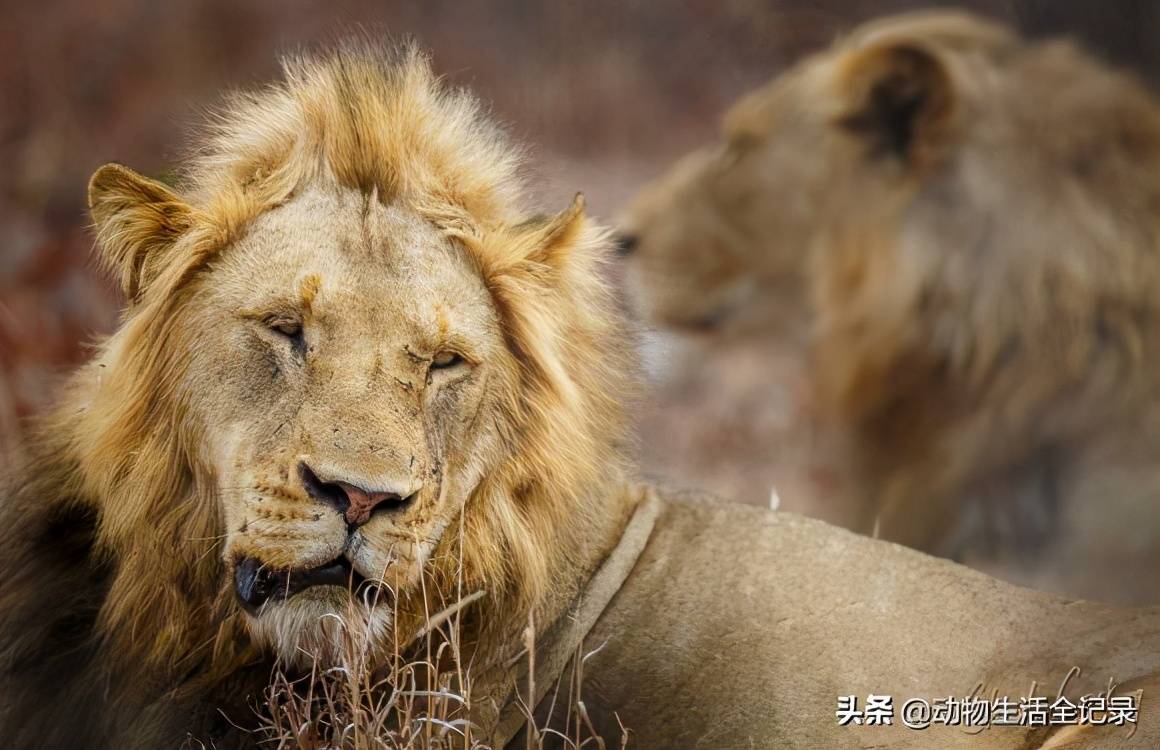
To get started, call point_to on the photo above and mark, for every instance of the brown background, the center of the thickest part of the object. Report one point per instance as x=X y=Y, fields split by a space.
x=606 y=92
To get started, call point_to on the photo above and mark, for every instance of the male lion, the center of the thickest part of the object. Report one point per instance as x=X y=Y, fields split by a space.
x=977 y=220
x=353 y=380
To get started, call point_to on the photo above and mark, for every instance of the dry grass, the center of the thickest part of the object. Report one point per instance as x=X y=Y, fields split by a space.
x=419 y=699
x=409 y=702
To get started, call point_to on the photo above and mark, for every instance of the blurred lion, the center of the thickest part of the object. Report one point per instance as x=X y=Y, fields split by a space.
x=976 y=218
x=356 y=395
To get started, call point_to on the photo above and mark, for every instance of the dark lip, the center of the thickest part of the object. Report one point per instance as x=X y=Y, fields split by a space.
x=256 y=584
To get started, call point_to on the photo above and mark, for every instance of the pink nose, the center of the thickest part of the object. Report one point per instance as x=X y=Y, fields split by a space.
x=356 y=504
x=362 y=503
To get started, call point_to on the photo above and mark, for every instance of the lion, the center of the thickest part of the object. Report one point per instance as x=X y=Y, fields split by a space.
x=978 y=238
x=354 y=380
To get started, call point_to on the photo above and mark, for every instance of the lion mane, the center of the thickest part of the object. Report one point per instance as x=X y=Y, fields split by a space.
x=113 y=592
x=988 y=315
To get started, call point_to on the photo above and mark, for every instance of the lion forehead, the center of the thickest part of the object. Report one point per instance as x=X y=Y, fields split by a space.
x=333 y=250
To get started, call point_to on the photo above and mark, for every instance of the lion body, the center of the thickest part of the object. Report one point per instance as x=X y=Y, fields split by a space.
x=343 y=310
x=791 y=613
x=982 y=262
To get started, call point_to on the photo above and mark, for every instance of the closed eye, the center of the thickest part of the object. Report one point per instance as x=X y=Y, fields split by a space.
x=289 y=329
x=447 y=367
x=446 y=361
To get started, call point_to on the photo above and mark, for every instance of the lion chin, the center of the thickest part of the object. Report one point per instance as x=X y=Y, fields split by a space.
x=313 y=614
x=324 y=625
x=343 y=611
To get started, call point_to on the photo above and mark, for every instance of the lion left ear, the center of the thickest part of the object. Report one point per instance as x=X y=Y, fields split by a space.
x=553 y=239
x=899 y=98
x=137 y=221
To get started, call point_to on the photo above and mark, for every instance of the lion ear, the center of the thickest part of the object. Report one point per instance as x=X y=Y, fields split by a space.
x=137 y=221
x=898 y=97
x=553 y=240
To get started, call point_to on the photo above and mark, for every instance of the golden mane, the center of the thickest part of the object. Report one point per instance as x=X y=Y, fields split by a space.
x=367 y=118
x=120 y=460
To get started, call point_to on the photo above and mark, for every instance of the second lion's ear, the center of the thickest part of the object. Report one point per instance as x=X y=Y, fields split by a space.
x=137 y=221
x=899 y=98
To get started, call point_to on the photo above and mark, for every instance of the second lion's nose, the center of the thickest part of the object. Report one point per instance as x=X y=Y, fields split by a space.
x=355 y=503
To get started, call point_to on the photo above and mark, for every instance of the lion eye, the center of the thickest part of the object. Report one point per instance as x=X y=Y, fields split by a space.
x=290 y=329
x=445 y=361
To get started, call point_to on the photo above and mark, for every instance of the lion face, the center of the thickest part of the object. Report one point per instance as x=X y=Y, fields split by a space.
x=725 y=231
x=355 y=385
x=680 y=244
x=848 y=130
x=350 y=345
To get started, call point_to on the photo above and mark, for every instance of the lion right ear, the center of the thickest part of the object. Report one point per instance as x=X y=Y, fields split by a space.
x=899 y=98
x=137 y=221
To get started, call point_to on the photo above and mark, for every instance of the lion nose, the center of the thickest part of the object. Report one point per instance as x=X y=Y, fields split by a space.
x=356 y=504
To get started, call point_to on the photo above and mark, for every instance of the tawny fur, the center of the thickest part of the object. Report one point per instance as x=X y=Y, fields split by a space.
x=115 y=598
x=983 y=294
x=117 y=625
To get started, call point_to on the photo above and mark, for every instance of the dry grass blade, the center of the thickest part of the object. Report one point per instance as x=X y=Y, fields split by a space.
x=420 y=699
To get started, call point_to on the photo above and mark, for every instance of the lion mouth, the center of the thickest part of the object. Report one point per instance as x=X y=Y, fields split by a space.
x=255 y=584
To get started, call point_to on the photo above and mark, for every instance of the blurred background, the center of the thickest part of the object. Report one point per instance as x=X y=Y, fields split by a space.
x=606 y=92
